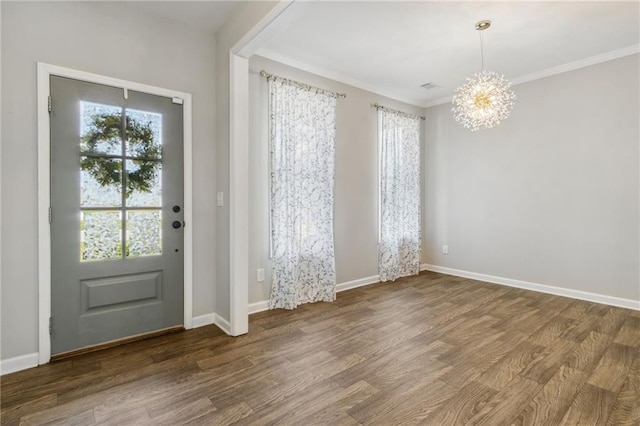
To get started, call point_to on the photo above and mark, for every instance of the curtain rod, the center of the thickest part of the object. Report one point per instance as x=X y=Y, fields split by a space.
x=378 y=106
x=308 y=86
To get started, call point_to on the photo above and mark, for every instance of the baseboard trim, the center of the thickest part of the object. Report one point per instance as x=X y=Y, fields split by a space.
x=357 y=283
x=261 y=306
x=222 y=324
x=213 y=318
x=202 y=320
x=542 y=288
x=18 y=363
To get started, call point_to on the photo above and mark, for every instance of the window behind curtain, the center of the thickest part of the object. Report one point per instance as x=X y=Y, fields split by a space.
x=302 y=163
x=399 y=198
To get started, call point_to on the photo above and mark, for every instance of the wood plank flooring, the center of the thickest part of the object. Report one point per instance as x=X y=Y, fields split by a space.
x=431 y=349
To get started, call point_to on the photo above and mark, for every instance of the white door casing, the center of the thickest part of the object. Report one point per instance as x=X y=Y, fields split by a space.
x=44 y=184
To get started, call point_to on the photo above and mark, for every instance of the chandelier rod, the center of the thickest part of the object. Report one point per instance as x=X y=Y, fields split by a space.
x=481 y=52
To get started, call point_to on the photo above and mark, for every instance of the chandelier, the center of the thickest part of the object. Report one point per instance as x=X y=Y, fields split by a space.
x=486 y=98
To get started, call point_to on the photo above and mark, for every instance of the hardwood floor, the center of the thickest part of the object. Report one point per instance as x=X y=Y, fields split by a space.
x=432 y=349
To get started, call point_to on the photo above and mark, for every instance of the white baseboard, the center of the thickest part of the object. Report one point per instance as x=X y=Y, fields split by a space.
x=18 y=363
x=223 y=324
x=208 y=319
x=261 y=306
x=202 y=320
x=542 y=288
x=357 y=283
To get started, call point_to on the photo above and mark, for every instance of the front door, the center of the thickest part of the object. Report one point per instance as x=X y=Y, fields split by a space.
x=116 y=214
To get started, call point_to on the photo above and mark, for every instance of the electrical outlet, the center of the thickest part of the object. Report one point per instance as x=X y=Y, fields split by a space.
x=220 y=199
x=445 y=249
x=260 y=275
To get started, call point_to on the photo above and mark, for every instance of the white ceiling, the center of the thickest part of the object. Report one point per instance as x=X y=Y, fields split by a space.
x=394 y=47
x=206 y=16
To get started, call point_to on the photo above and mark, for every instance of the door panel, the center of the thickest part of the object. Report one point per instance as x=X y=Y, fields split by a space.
x=116 y=174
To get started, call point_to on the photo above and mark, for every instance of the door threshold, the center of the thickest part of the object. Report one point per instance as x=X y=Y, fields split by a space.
x=114 y=343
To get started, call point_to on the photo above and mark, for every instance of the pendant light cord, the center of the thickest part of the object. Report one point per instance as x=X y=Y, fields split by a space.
x=481 y=52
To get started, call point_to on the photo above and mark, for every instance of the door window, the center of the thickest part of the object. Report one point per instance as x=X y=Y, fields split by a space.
x=120 y=182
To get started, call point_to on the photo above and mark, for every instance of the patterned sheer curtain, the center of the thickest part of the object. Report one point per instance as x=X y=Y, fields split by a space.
x=302 y=157
x=399 y=239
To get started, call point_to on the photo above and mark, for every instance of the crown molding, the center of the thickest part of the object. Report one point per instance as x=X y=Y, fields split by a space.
x=592 y=60
x=548 y=72
x=339 y=77
x=570 y=66
x=438 y=101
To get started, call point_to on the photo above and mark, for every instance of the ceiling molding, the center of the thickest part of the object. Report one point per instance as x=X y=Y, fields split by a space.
x=592 y=60
x=439 y=101
x=571 y=66
x=341 y=78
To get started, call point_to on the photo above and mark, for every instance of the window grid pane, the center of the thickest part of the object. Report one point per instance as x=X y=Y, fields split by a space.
x=100 y=236
x=100 y=182
x=144 y=233
x=105 y=233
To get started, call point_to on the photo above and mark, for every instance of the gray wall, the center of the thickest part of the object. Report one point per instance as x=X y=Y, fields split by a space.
x=355 y=209
x=551 y=195
x=113 y=40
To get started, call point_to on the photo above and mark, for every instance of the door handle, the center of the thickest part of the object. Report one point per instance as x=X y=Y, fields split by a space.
x=176 y=224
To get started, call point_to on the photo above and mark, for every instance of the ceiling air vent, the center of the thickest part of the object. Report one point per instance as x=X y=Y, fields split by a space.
x=429 y=86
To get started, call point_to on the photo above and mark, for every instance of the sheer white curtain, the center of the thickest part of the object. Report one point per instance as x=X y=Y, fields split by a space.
x=302 y=158
x=399 y=239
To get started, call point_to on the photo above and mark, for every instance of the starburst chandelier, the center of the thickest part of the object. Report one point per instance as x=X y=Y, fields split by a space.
x=486 y=98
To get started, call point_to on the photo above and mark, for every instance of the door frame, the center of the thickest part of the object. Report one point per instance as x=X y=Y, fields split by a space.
x=45 y=71
x=239 y=54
